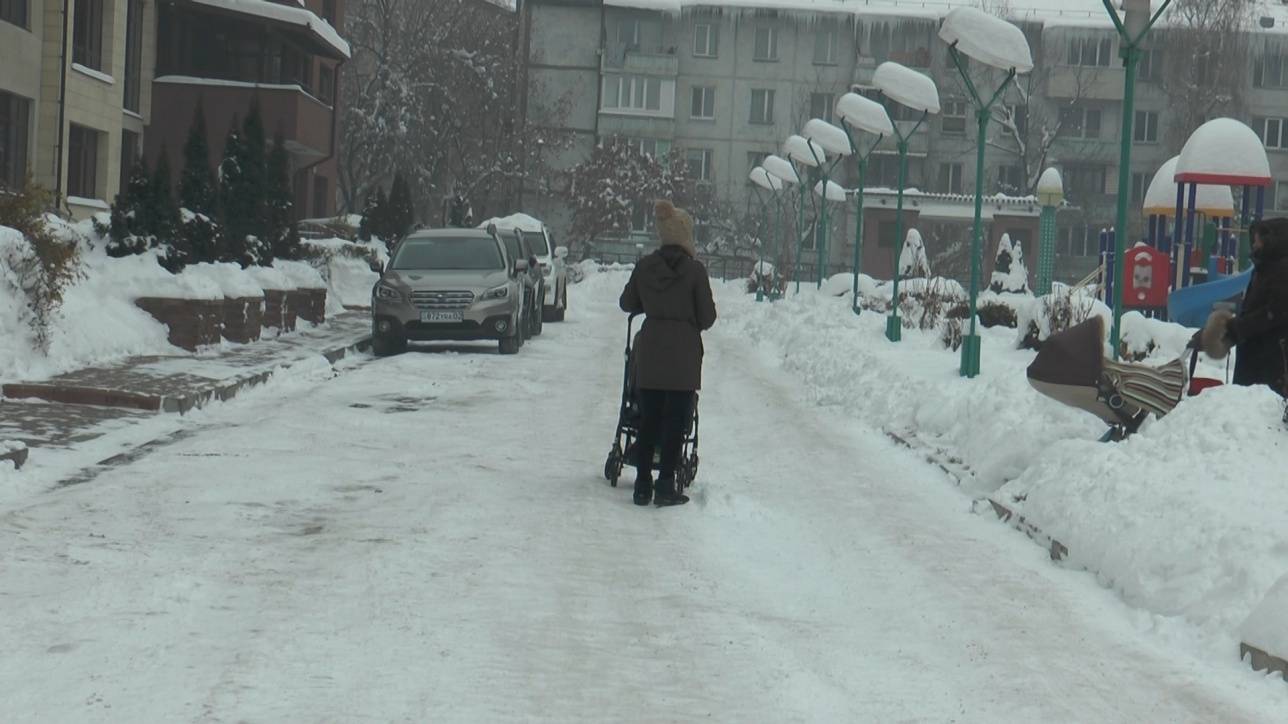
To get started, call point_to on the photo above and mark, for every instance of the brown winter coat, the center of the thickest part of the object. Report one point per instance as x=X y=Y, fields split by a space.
x=1262 y=323
x=673 y=291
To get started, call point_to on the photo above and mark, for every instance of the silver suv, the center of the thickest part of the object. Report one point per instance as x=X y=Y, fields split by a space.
x=449 y=284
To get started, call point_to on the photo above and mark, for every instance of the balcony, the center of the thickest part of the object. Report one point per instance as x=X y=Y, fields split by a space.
x=654 y=61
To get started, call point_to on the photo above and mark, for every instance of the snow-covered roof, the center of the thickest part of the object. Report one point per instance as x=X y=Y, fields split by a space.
x=519 y=221
x=835 y=191
x=782 y=168
x=907 y=86
x=864 y=114
x=765 y=179
x=831 y=138
x=285 y=14
x=987 y=39
x=1160 y=197
x=1224 y=151
x=803 y=150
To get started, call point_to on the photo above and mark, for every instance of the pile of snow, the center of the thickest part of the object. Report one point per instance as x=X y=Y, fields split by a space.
x=300 y=274
x=519 y=221
x=907 y=86
x=349 y=282
x=1224 y=147
x=913 y=261
x=987 y=39
x=1038 y=312
x=1009 y=271
x=271 y=279
x=1267 y=626
x=232 y=280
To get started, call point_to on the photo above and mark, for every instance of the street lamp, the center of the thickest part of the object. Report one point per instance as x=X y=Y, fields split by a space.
x=1132 y=29
x=917 y=91
x=784 y=171
x=807 y=153
x=771 y=183
x=863 y=114
x=1050 y=196
x=832 y=140
x=994 y=42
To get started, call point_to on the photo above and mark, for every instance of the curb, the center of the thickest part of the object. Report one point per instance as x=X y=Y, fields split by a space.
x=17 y=457
x=1262 y=661
x=1057 y=550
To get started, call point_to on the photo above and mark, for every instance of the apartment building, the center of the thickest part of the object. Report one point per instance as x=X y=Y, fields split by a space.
x=86 y=87
x=727 y=83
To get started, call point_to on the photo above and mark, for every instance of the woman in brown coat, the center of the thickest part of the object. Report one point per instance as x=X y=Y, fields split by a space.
x=671 y=288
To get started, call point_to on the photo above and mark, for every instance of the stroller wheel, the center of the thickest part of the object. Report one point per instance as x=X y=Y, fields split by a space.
x=613 y=466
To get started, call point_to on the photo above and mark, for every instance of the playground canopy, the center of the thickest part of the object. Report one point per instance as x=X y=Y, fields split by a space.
x=1224 y=152
x=1214 y=202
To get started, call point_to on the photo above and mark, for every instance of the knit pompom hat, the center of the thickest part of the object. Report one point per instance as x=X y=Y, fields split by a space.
x=674 y=227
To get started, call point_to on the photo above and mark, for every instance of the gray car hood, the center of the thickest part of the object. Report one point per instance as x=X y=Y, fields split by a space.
x=446 y=280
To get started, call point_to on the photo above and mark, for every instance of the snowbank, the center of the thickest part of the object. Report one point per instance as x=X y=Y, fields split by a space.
x=232 y=280
x=1267 y=627
x=271 y=279
x=300 y=274
x=522 y=222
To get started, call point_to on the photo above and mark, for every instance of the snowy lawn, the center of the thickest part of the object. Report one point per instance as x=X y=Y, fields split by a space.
x=1184 y=520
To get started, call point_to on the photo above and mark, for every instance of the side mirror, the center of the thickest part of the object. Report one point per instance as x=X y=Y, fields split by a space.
x=520 y=266
x=561 y=252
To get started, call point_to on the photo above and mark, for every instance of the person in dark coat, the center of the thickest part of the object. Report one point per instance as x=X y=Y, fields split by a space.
x=671 y=288
x=1260 y=330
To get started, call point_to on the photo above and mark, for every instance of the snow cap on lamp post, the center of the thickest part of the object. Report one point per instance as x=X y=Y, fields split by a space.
x=864 y=114
x=803 y=150
x=781 y=168
x=1050 y=188
x=831 y=138
x=835 y=191
x=989 y=39
x=906 y=86
x=766 y=180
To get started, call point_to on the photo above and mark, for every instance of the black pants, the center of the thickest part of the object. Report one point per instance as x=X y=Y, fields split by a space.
x=664 y=421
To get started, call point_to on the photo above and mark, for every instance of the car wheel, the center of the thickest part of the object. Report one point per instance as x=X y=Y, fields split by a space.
x=561 y=304
x=520 y=327
x=509 y=345
x=385 y=346
x=538 y=320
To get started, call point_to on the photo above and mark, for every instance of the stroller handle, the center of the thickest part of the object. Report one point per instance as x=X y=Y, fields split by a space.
x=630 y=324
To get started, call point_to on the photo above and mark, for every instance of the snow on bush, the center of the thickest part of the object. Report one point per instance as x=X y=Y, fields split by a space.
x=232 y=281
x=1063 y=308
x=1009 y=272
x=912 y=258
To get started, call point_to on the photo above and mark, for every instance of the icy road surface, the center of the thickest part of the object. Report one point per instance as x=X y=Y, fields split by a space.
x=427 y=538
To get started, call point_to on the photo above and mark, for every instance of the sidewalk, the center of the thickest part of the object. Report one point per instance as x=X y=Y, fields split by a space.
x=79 y=406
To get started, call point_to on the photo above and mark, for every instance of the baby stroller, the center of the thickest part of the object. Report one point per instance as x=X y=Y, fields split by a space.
x=628 y=424
x=1072 y=368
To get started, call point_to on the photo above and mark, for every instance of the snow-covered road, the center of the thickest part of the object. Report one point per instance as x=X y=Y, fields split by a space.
x=427 y=538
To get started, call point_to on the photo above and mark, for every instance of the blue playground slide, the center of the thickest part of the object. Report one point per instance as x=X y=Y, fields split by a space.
x=1192 y=305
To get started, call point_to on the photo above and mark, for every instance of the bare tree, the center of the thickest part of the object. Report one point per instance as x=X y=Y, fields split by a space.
x=1208 y=81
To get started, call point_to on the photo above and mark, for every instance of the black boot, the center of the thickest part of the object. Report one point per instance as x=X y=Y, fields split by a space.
x=666 y=494
x=643 y=491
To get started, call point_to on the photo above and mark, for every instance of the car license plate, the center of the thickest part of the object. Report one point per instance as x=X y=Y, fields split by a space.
x=430 y=317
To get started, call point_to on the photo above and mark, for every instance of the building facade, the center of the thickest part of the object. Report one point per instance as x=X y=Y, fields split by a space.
x=85 y=87
x=727 y=84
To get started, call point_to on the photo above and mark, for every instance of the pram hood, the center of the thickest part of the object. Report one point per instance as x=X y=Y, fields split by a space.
x=1068 y=368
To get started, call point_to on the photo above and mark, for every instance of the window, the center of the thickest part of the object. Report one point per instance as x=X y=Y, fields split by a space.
x=754 y=159
x=1091 y=52
x=1139 y=184
x=1078 y=240
x=1279 y=194
x=907 y=42
x=14 y=11
x=628 y=32
x=14 y=123
x=883 y=170
x=954 y=118
x=133 y=54
x=328 y=14
x=649 y=146
x=1010 y=179
x=1150 y=67
x=826 y=41
x=321 y=195
x=1080 y=122
x=950 y=178
x=1083 y=181
x=82 y=162
x=129 y=156
x=766 y=44
x=820 y=105
x=704 y=104
x=1145 y=129
x=698 y=164
x=1272 y=132
x=632 y=93
x=1268 y=71
x=762 y=107
x=642 y=218
x=326 y=84
x=704 y=40
x=87 y=35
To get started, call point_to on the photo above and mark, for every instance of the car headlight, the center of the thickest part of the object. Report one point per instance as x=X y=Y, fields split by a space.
x=500 y=292
x=383 y=291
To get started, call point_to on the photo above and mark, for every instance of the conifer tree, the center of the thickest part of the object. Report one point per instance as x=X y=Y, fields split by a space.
x=198 y=188
x=400 y=214
x=280 y=231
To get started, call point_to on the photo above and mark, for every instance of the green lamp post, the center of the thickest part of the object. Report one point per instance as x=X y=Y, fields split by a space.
x=862 y=114
x=808 y=153
x=1050 y=196
x=771 y=184
x=917 y=91
x=785 y=171
x=1132 y=29
x=833 y=140
x=995 y=43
